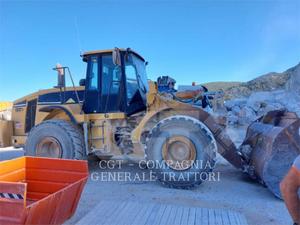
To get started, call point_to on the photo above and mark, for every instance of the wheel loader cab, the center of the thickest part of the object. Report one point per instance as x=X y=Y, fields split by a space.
x=115 y=85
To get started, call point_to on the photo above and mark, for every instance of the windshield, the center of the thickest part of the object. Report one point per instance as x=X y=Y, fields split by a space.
x=136 y=78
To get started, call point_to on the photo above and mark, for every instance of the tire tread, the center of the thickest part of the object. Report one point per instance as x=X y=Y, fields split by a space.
x=73 y=132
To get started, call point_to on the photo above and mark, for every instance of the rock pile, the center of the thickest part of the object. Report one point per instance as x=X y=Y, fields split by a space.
x=269 y=92
x=243 y=111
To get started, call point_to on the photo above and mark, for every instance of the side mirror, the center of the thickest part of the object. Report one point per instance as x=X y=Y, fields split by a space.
x=146 y=63
x=116 y=56
x=61 y=80
x=82 y=82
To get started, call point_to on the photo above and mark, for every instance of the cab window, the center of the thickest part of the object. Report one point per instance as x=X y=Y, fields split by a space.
x=111 y=76
x=93 y=73
x=131 y=81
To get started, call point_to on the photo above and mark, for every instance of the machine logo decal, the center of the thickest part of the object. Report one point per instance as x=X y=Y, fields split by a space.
x=70 y=101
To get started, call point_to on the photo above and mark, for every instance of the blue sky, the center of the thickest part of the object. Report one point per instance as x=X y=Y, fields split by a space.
x=198 y=41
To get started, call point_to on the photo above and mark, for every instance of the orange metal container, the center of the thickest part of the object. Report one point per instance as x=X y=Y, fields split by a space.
x=40 y=190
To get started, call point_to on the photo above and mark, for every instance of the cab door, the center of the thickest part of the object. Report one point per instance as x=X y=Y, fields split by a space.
x=92 y=87
x=104 y=86
x=112 y=86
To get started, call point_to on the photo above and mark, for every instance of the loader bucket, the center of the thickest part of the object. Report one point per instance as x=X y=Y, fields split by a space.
x=40 y=190
x=272 y=143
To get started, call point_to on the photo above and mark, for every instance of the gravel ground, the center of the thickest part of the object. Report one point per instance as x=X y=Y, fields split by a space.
x=233 y=191
x=10 y=153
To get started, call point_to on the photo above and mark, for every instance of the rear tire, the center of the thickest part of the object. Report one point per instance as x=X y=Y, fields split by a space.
x=56 y=139
x=200 y=148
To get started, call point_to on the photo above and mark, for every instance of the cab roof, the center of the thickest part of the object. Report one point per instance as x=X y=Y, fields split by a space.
x=109 y=51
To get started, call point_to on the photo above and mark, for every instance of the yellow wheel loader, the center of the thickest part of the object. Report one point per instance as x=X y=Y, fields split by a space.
x=116 y=113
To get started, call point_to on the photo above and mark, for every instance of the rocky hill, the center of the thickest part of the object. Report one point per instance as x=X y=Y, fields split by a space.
x=221 y=85
x=249 y=100
x=267 y=82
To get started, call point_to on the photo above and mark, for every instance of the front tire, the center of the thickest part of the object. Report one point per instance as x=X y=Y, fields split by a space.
x=181 y=151
x=55 y=139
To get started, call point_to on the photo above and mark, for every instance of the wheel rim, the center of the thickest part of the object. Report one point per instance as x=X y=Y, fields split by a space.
x=49 y=147
x=179 y=152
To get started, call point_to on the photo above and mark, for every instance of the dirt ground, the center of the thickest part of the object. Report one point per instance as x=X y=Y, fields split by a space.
x=234 y=191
